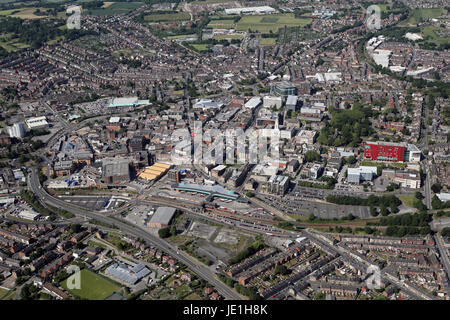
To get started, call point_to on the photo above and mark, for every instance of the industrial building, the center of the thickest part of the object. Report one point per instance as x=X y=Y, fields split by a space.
x=37 y=123
x=251 y=10
x=126 y=274
x=115 y=170
x=17 y=130
x=162 y=217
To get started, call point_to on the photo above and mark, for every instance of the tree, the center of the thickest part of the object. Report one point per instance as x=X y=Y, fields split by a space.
x=164 y=233
x=280 y=269
x=173 y=230
x=384 y=211
x=312 y=156
x=75 y=228
x=436 y=188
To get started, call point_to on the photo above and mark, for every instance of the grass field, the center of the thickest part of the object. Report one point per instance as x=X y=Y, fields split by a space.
x=273 y=22
x=419 y=15
x=408 y=200
x=193 y=296
x=430 y=31
x=93 y=286
x=9 y=295
x=114 y=8
x=24 y=13
x=200 y=47
x=3 y=292
x=162 y=17
x=267 y=41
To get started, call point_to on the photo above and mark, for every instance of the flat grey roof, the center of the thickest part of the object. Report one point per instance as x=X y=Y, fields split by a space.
x=163 y=215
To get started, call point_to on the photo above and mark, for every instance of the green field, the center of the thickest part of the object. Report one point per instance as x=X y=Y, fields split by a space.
x=273 y=22
x=200 y=47
x=3 y=292
x=115 y=8
x=430 y=31
x=419 y=15
x=7 y=294
x=408 y=200
x=25 y=13
x=93 y=286
x=267 y=41
x=163 y=17
x=221 y=24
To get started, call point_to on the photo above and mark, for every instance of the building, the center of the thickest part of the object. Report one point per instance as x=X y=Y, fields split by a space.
x=253 y=103
x=207 y=104
x=363 y=173
x=137 y=143
x=306 y=137
x=28 y=215
x=127 y=102
x=278 y=184
x=17 y=130
x=62 y=168
x=129 y=275
x=292 y=103
x=412 y=153
x=116 y=170
x=405 y=179
x=251 y=10
x=162 y=217
x=174 y=174
x=384 y=151
x=315 y=171
x=37 y=123
x=270 y=101
x=155 y=171
x=283 y=88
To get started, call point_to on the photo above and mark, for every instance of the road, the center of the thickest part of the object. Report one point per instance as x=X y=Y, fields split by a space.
x=444 y=255
x=198 y=268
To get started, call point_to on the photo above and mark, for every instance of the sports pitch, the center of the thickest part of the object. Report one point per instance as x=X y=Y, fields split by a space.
x=93 y=286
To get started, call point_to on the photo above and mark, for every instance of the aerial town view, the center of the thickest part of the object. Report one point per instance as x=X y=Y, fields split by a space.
x=224 y=150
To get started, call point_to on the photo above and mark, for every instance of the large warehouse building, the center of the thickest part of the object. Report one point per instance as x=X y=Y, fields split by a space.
x=251 y=10
x=127 y=102
x=162 y=217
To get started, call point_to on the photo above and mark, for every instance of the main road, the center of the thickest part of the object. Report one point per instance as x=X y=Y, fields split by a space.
x=198 y=268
